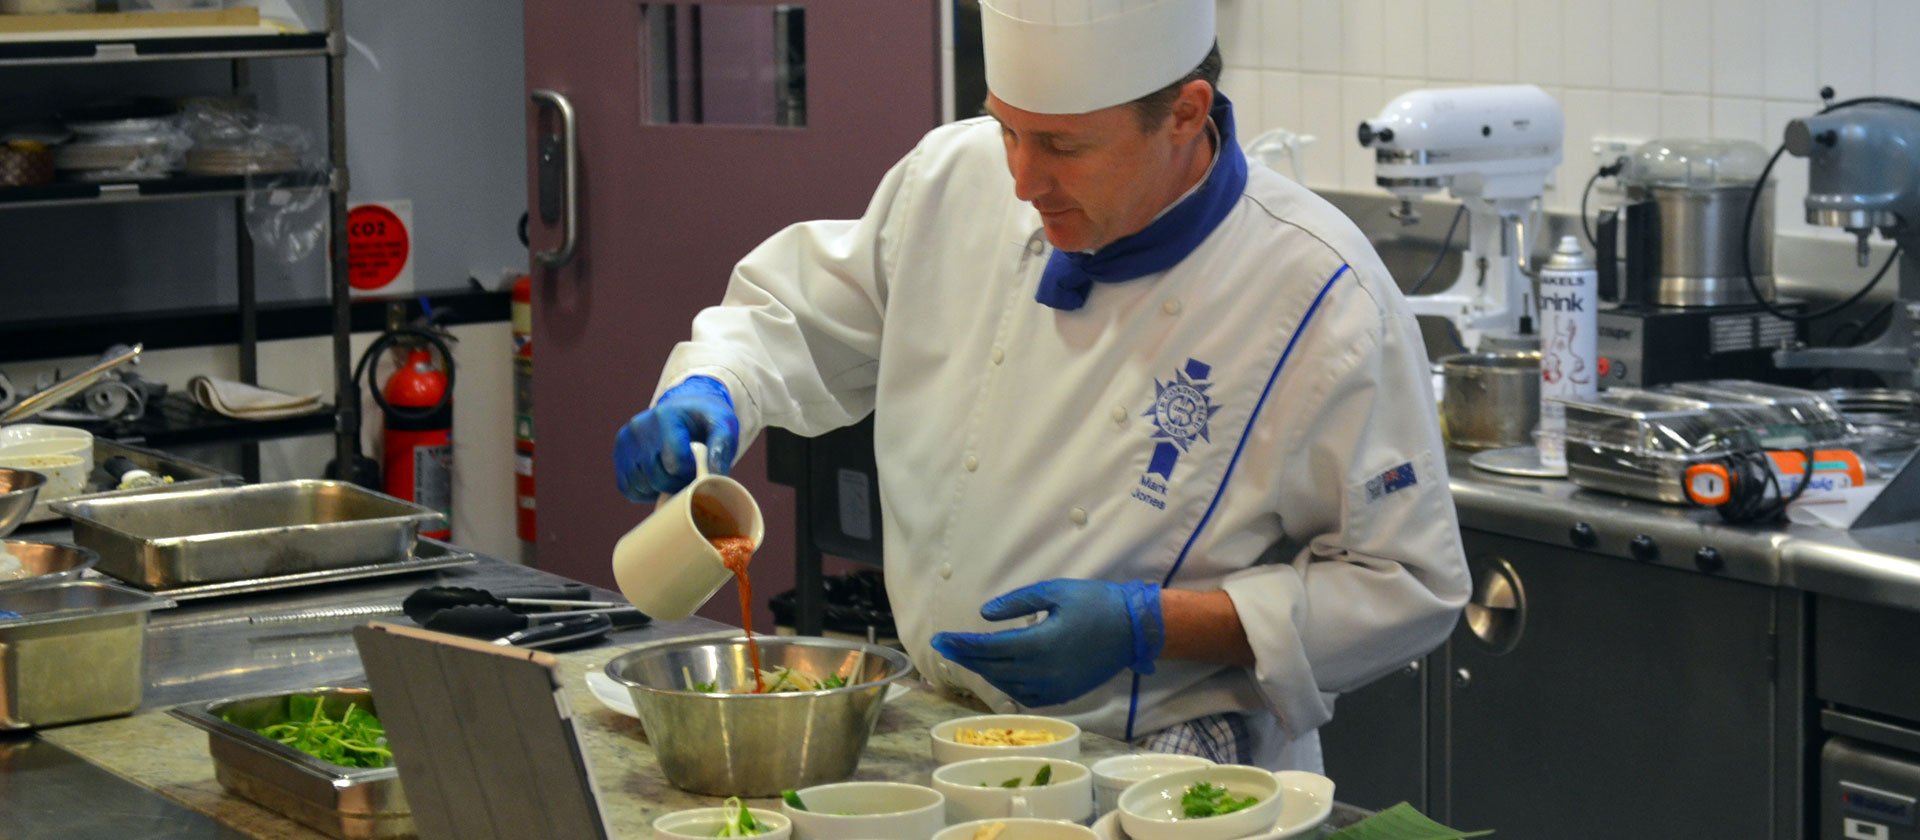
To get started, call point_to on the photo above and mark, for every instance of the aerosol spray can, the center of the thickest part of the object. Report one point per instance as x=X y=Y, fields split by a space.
x=1568 y=357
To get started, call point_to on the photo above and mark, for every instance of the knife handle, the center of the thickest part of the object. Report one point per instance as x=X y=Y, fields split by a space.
x=559 y=633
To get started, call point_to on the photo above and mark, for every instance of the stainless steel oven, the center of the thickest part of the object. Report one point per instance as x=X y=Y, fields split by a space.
x=1867 y=679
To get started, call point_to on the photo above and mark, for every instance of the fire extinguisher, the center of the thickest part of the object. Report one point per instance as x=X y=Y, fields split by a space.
x=523 y=409
x=416 y=406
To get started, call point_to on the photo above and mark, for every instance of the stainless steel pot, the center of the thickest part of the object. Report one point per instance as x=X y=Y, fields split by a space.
x=1490 y=400
x=1696 y=249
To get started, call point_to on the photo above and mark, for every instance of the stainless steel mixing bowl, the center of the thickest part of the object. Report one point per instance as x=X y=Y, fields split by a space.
x=724 y=744
x=42 y=563
x=18 y=489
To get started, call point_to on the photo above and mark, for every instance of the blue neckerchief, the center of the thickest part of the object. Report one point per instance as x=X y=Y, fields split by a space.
x=1163 y=243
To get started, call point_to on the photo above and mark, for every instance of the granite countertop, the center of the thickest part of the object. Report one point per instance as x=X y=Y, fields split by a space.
x=164 y=754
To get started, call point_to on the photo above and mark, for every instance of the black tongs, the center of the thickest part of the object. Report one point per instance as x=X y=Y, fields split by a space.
x=520 y=615
x=424 y=602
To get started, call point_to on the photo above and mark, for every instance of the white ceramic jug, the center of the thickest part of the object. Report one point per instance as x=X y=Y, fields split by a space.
x=667 y=565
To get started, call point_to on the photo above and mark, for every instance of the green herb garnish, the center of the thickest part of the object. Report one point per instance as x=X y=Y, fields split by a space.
x=1040 y=779
x=1210 y=800
x=835 y=681
x=356 y=739
x=706 y=687
x=792 y=798
x=740 y=821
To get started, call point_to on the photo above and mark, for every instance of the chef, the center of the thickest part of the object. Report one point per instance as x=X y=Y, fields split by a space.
x=1155 y=448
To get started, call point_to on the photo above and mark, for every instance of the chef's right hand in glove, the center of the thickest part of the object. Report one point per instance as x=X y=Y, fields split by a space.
x=653 y=452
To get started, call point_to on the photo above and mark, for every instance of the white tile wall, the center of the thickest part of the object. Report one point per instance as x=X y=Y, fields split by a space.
x=1319 y=36
x=1635 y=69
x=1793 y=43
x=1494 y=42
x=1404 y=39
x=1896 y=64
x=1587 y=59
x=1362 y=29
x=1280 y=35
x=1686 y=59
x=1450 y=40
x=1540 y=51
x=1634 y=27
x=1739 y=48
x=1846 y=45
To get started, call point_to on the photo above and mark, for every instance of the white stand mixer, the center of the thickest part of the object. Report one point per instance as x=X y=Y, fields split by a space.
x=1493 y=148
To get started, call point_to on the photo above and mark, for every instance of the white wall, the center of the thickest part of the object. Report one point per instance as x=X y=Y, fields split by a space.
x=1636 y=69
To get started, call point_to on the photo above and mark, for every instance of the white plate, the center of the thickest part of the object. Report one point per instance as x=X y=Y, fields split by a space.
x=614 y=695
x=1306 y=801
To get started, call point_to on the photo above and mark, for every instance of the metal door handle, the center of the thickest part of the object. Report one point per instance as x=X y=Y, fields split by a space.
x=1498 y=611
x=562 y=152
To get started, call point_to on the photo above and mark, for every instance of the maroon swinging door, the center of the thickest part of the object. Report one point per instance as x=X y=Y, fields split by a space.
x=658 y=213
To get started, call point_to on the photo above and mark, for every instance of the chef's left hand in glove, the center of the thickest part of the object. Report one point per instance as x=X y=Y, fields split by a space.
x=1093 y=630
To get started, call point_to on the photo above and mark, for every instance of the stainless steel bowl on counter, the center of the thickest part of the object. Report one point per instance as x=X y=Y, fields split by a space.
x=724 y=744
x=18 y=490
x=76 y=651
x=25 y=563
x=351 y=803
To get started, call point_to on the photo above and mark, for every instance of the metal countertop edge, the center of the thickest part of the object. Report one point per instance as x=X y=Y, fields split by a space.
x=1879 y=566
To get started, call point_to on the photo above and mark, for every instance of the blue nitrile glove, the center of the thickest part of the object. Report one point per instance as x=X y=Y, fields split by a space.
x=653 y=452
x=1093 y=630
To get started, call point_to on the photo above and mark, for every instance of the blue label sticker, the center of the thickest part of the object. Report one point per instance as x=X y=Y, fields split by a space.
x=1398 y=478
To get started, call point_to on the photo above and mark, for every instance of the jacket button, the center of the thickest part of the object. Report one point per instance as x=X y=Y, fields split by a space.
x=946 y=571
x=1078 y=515
x=972 y=463
x=998 y=356
x=1171 y=307
x=1120 y=414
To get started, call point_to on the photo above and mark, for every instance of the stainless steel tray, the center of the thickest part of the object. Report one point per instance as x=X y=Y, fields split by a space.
x=77 y=652
x=352 y=803
x=176 y=540
x=1642 y=475
x=428 y=554
x=187 y=475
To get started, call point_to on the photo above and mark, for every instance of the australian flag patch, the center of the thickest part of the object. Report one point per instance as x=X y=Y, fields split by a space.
x=1398 y=478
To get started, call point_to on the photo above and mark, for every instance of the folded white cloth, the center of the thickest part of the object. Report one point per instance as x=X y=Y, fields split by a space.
x=249 y=402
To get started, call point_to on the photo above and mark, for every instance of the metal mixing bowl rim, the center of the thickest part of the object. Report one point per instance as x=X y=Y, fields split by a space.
x=38 y=479
x=904 y=665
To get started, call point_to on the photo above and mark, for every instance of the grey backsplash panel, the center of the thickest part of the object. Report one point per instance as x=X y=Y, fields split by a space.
x=435 y=114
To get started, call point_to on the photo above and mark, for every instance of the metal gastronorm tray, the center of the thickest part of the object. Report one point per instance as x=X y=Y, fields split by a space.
x=176 y=540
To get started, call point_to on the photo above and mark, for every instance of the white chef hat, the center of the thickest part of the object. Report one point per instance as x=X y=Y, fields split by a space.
x=1075 y=56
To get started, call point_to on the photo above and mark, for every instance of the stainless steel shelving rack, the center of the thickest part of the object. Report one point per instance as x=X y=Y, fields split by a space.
x=104 y=48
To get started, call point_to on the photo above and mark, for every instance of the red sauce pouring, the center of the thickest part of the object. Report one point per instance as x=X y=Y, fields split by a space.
x=735 y=552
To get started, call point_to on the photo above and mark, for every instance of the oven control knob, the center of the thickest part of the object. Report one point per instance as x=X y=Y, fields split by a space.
x=1582 y=535
x=1708 y=560
x=1644 y=548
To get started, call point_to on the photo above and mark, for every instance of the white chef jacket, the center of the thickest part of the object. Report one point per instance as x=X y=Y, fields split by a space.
x=1257 y=419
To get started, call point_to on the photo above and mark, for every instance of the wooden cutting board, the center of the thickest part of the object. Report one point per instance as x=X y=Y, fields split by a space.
x=481 y=735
